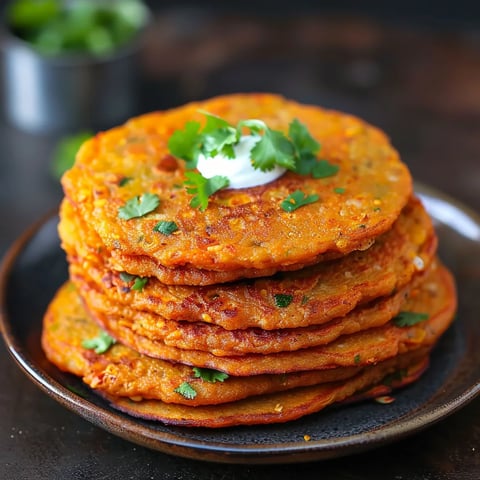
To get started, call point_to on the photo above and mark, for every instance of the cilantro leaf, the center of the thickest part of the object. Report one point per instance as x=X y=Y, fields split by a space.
x=214 y=122
x=283 y=300
x=123 y=181
x=185 y=144
x=297 y=199
x=139 y=283
x=166 y=227
x=139 y=206
x=100 y=343
x=65 y=152
x=272 y=149
x=218 y=141
x=126 y=277
x=186 y=390
x=202 y=188
x=323 y=169
x=407 y=319
x=303 y=142
x=209 y=375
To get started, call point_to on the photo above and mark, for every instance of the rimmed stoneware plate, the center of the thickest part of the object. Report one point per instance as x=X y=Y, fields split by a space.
x=35 y=267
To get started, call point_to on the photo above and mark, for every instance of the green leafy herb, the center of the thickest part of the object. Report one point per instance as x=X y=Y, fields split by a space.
x=139 y=283
x=407 y=319
x=283 y=300
x=395 y=377
x=126 y=277
x=209 y=375
x=186 y=390
x=165 y=227
x=100 y=343
x=304 y=143
x=185 y=144
x=87 y=26
x=273 y=147
x=124 y=181
x=357 y=359
x=339 y=190
x=201 y=188
x=296 y=152
x=324 y=169
x=65 y=152
x=297 y=199
x=139 y=206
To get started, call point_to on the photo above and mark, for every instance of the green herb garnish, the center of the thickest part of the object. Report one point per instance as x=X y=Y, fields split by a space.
x=139 y=283
x=272 y=148
x=407 y=319
x=209 y=375
x=296 y=200
x=57 y=26
x=283 y=300
x=139 y=206
x=165 y=227
x=339 y=190
x=100 y=343
x=123 y=181
x=357 y=359
x=126 y=277
x=297 y=152
x=65 y=152
x=201 y=188
x=186 y=390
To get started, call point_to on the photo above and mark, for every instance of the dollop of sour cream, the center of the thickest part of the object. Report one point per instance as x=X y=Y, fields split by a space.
x=238 y=170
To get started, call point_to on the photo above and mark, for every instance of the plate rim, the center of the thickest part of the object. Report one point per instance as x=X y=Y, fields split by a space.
x=130 y=429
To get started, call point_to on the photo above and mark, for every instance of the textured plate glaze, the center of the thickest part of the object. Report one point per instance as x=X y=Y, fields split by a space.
x=35 y=267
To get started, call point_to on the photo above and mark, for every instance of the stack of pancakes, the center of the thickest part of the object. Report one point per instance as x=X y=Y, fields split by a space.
x=246 y=313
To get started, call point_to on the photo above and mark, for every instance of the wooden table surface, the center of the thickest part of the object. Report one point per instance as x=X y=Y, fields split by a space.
x=420 y=84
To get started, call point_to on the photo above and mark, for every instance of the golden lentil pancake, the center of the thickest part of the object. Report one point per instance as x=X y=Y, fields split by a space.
x=436 y=298
x=243 y=232
x=128 y=378
x=122 y=371
x=221 y=342
x=318 y=293
x=278 y=407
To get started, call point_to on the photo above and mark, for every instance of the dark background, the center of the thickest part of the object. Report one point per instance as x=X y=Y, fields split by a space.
x=412 y=69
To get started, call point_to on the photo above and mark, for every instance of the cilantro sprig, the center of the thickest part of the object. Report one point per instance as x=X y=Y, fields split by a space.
x=407 y=319
x=139 y=206
x=296 y=200
x=209 y=374
x=100 y=344
x=201 y=188
x=296 y=151
x=186 y=390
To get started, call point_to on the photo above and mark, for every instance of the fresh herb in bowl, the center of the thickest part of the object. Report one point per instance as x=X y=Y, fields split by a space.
x=55 y=27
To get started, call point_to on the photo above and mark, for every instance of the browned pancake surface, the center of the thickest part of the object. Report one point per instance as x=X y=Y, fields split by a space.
x=436 y=297
x=318 y=293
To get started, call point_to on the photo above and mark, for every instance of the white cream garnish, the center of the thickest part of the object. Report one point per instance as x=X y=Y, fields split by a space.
x=238 y=170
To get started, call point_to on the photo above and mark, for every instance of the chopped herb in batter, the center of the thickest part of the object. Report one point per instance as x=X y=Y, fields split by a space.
x=165 y=227
x=283 y=300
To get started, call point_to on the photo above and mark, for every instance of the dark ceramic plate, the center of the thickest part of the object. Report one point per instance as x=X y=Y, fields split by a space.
x=35 y=267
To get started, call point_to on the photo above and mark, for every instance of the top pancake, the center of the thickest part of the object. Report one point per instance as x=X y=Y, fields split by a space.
x=243 y=232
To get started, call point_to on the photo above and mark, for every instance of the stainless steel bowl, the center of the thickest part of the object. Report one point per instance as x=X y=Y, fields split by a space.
x=68 y=92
